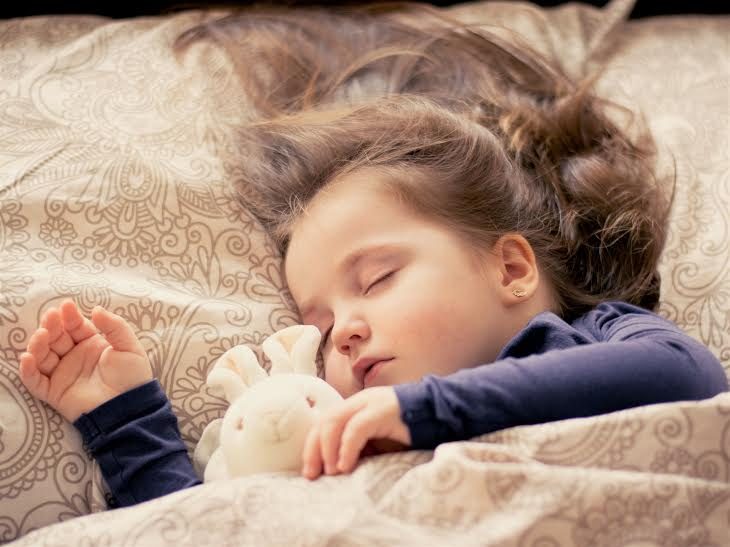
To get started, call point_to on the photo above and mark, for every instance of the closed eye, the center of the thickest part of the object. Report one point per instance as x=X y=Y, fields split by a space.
x=326 y=335
x=378 y=280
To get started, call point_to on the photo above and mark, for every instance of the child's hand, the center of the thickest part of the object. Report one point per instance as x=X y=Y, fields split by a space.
x=339 y=437
x=75 y=368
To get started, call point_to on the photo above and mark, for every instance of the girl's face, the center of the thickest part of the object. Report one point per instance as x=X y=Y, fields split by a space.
x=396 y=296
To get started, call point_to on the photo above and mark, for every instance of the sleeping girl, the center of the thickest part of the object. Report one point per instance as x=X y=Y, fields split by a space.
x=478 y=245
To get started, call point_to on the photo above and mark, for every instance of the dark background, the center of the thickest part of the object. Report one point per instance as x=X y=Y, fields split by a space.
x=131 y=8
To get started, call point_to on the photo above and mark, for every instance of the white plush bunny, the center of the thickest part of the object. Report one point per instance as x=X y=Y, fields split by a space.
x=269 y=416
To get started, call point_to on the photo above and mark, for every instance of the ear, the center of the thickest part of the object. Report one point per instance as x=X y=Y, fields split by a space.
x=516 y=268
x=235 y=370
x=293 y=349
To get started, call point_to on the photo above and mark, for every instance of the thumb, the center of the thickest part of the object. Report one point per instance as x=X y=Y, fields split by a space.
x=116 y=330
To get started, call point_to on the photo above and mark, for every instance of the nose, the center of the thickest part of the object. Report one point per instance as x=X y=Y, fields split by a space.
x=349 y=333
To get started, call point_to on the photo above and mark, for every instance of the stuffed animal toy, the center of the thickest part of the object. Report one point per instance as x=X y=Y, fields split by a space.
x=269 y=416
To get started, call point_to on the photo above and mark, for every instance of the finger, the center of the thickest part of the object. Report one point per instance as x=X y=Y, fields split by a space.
x=312 y=455
x=48 y=364
x=75 y=324
x=358 y=431
x=59 y=340
x=38 y=347
x=331 y=434
x=116 y=330
x=330 y=444
x=35 y=382
x=38 y=343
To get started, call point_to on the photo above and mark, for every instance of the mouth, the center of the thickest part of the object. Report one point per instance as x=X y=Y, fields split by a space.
x=366 y=368
x=371 y=372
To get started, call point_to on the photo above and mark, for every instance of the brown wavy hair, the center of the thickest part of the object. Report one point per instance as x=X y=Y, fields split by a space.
x=477 y=131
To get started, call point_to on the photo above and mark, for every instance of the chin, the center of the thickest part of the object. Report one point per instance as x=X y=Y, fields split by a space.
x=385 y=380
x=348 y=391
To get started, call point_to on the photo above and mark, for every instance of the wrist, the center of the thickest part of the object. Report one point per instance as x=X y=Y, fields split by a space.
x=109 y=414
x=88 y=404
x=85 y=403
x=425 y=427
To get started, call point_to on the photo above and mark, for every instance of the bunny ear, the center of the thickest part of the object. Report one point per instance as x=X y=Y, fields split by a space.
x=293 y=349
x=235 y=370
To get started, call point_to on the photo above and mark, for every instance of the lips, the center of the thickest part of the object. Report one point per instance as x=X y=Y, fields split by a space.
x=367 y=368
x=372 y=372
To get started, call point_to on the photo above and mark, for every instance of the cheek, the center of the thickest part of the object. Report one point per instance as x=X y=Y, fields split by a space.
x=339 y=376
x=419 y=315
x=441 y=334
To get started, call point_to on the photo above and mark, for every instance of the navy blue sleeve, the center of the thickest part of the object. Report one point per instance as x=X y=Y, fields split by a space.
x=135 y=439
x=640 y=360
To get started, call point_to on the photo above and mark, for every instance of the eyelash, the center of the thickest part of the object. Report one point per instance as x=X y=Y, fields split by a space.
x=326 y=335
x=378 y=280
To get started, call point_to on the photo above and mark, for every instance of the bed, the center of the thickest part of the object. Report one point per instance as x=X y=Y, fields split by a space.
x=115 y=189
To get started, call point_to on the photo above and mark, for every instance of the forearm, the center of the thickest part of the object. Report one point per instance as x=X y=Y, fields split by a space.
x=580 y=381
x=135 y=439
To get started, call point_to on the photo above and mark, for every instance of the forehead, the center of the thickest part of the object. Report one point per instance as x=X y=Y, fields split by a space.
x=355 y=212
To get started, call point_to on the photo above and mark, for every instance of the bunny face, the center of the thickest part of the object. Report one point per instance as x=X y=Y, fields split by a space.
x=265 y=429
x=269 y=416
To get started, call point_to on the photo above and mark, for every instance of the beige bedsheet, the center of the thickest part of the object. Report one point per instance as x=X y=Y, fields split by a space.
x=115 y=170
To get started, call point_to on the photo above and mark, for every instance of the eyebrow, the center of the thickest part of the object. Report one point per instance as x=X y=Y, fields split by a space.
x=351 y=261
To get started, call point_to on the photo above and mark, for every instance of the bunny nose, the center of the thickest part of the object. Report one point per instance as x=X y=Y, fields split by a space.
x=279 y=425
x=269 y=426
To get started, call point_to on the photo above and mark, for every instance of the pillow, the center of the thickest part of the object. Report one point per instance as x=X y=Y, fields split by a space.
x=112 y=193
x=680 y=83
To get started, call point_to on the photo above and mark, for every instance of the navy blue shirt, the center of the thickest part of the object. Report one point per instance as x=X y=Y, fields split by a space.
x=135 y=439
x=614 y=357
